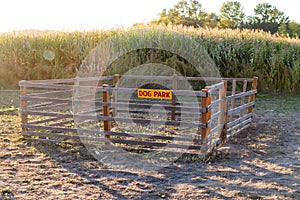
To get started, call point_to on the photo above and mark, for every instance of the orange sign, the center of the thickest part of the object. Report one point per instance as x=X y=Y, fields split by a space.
x=155 y=94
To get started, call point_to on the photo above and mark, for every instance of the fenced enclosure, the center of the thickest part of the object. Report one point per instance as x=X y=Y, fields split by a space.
x=99 y=110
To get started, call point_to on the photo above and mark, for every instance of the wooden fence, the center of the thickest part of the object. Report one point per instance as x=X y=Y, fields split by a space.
x=92 y=110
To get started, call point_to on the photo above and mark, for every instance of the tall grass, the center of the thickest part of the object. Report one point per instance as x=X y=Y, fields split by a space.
x=44 y=55
x=237 y=53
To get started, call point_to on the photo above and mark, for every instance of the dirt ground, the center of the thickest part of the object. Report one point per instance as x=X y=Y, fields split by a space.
x=263 y=162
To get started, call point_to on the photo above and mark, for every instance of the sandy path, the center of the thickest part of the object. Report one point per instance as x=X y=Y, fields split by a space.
x=261 y=163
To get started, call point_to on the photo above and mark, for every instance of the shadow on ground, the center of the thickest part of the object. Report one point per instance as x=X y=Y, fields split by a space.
x=261 y=162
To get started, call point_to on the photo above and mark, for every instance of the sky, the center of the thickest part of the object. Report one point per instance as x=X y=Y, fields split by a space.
x=69 y=15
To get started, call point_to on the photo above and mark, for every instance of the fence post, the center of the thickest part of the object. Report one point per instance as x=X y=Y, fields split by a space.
x=175 y=86
x=205 y=116
x=225 y=112
x=252 y=96
x=115 y=82
x=106 y=108
x=116 y=79
x=23 y=93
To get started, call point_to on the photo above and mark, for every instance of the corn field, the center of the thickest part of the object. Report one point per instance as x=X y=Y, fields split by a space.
x=237 y=53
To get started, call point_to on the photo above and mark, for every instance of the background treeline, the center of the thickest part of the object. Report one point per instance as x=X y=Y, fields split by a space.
x=265 y=17
x=237 y=53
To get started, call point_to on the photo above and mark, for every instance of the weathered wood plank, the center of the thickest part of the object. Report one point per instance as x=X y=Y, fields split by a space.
x=215 y=87
x=46 y=99
x=216 y=128
x=240 y=125
x=45 y=86
x=216 y=115
x=49 y=128
x=147 y=77
x=181 y=113
x=238 y=109
x=231 y=135
x=53 y=114
x=74 y=142
x=155 y=106
x=96 y=78
x=49 y=106
x=243 y=98
x=240 y=95
x=155 y=144
x=48 y=93
x=239 y=120
x=57 y=81
x=45 y=120
x=62 y=123
x=50 y=135
x=216 y=102
x=232 y=100
x=214 y=79
x=152 y=121
x=164 y=151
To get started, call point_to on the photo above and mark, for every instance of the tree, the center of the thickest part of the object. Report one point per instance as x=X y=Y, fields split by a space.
x=266 y=17
x=211 y=20
x=232 y=14
x=188 y=13
x=294 y=29
x=190 y=9
x=170 y=17
x=291 y=29
x=266 y=13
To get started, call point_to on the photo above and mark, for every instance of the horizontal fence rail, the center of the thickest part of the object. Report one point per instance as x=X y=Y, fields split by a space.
x=207 y=116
